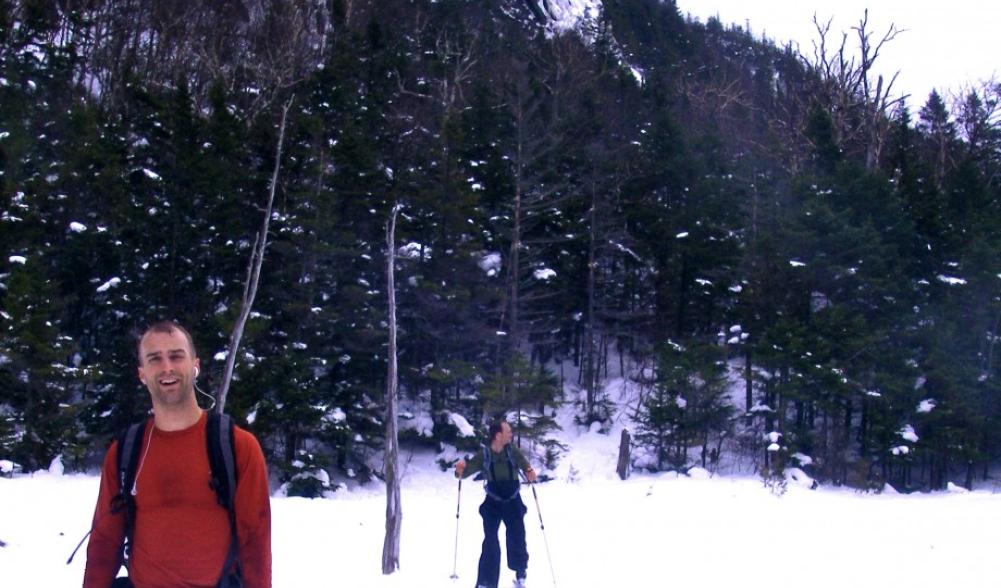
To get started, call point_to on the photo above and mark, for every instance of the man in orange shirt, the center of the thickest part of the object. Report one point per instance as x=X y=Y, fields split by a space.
x=181 y=536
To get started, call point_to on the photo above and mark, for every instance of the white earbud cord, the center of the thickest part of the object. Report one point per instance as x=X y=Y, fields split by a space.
x=206 y=395
x=142 y=460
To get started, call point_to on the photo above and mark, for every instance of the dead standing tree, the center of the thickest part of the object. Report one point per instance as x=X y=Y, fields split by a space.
x=253 y=268
x=394 y=512
x=280 y=65
x=877 y=104
x=241 y=45
x=857 y=99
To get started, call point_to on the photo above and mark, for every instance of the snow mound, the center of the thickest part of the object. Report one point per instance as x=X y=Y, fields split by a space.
x=800 y=478
x=460 y=422
x=953 y=488
x=698 y=473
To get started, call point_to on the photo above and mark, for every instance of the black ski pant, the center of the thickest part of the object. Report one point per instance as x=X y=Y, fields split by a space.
x=512 y=512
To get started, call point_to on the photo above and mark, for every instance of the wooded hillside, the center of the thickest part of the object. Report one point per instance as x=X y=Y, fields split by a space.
x=669 y=197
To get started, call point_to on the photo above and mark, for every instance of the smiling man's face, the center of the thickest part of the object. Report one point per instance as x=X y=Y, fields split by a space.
x=167 y=368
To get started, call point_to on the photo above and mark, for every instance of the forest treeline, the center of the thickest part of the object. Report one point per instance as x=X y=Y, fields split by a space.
x=642 y=193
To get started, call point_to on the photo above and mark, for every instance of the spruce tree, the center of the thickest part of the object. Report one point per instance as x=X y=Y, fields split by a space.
x=688 y=407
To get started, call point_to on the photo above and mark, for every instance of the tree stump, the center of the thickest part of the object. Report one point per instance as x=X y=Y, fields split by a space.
x=623 y=467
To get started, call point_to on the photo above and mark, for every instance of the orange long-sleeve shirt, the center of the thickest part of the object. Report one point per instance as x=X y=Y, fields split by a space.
x=182 y=534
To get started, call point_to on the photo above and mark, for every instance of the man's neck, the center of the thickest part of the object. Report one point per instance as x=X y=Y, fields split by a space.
x=497 y=448
x=176 y=418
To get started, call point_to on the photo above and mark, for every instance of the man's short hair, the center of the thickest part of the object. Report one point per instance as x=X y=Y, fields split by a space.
x=164 y=327
x=496 y=426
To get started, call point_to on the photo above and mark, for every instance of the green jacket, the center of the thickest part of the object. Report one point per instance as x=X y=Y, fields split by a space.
x=501 y=464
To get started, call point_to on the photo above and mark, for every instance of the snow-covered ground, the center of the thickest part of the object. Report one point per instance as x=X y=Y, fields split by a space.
x=649 y=531
x=652 y=530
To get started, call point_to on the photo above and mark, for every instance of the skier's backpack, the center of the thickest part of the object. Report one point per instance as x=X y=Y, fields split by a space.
x=501 y=490
x=219 y=442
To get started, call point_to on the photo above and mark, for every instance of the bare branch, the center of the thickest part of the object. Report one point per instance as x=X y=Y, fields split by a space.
x=253 y=268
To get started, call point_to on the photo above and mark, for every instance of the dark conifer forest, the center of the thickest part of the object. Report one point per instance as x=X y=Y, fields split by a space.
x=643 y=194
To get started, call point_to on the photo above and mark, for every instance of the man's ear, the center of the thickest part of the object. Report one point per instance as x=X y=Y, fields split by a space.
x=142 y=377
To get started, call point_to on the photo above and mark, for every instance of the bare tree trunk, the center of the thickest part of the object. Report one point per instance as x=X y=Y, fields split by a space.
x=514 y=272
x=589 y=354
x=394 y=512
x=748 y=382
x=848 y=86
x=623 y=466
x=253 y=270
x=620 y=347
x=507 y=344
x=988 y=360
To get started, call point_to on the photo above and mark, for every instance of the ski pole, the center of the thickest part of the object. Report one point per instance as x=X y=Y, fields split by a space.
x=455 y=558
x=78 y=545
x=542 y=526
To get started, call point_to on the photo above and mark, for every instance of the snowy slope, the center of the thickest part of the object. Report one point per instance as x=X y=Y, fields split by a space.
x=567 y=14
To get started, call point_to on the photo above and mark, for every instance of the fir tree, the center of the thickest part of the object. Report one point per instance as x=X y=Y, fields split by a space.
x=687 y=408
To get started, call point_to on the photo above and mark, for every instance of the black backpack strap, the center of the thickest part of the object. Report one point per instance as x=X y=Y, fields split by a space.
x=129 y=447
x=488 y=463
x=489 y=474
x=130 y=443
x=219 y=436
x=510 y=460
x=499 y=490
x=222 y=459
